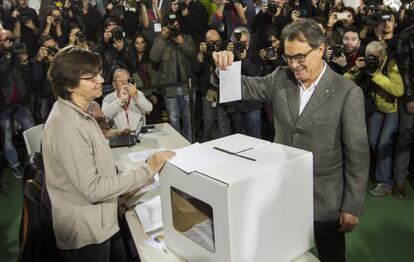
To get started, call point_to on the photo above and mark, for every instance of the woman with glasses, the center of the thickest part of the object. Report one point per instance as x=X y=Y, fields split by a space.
x=81 y=177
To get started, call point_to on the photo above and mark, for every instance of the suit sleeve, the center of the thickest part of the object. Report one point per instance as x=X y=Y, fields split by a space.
x=355 y=152
x=258 y=88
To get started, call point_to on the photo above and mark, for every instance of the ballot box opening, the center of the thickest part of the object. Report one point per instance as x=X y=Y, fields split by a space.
x=193 y=218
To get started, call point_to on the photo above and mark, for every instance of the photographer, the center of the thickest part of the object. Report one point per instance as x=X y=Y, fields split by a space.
x=86 y=16
x=192 y=17
x=343 y=57
x=78 y=38
x=23 y=22
x=245 y=114
x=175 y=52
x=55 y=26
x=42 y=90
x=216 y=119
x=338 y=23
x=301 y=9
x=231 y=14
x=126 y=106
x=14 y=89
x=403 y=148
x=406 y=14
x=131 y=21
x=274 y=14
x=382 y=30
x=271 y=54
x=379 y=76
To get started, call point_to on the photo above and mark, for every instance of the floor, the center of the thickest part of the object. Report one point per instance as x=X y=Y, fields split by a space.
x=385 y=233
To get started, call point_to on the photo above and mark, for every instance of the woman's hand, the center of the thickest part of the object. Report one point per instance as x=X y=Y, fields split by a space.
x=157 y=160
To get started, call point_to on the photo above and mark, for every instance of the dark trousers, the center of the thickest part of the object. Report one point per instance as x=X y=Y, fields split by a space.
x=111 y=250
x=330 y=242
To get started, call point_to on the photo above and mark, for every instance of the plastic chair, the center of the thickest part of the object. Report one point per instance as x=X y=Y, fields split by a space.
x=32 y=138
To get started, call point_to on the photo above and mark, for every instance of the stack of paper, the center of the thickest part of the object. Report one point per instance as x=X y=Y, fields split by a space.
x=149 y=214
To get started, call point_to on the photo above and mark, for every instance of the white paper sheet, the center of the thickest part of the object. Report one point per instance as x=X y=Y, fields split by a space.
x=197 y=157
x=158 y=244
x=152 y=186
x=142 y=155
x=149 y=214
x=230 y=83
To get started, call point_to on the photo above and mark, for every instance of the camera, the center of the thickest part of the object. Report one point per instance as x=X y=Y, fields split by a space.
x=52 y=50
x=170 y=24
x=117 y=33
x=271 y=53
x=372 y=64
x=118 y=10
x=131 y=81
x=337 y=50
x=19 y=48
x=182 y=4
x=303 y=12
x=232 y=2
x=76 y=6
x=24 y=16
x=212 y=47
x=81 y=37
x=272 y=8
x=57 y=19
x=239 y=46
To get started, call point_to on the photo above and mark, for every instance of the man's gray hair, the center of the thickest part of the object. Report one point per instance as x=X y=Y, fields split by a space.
x=376 y=48
x=119 y=70
x=242 y=30
x=304 y=30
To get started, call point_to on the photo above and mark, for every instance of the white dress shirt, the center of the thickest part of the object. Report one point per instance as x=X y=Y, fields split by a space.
x=306 y=93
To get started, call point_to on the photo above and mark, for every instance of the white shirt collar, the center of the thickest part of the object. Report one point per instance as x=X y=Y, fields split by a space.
x=314 y=84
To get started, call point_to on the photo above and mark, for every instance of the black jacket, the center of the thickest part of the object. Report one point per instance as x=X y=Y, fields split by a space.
x=405 y=62
x=12 y=73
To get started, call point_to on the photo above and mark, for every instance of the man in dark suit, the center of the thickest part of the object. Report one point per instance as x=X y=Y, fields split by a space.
x=317 y=110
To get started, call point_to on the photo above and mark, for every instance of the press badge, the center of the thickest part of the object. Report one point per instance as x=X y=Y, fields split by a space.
x=157 y=27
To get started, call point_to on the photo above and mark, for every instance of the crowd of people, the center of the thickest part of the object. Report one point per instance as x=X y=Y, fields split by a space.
x=150 y=51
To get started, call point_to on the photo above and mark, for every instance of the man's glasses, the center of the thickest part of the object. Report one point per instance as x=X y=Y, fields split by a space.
x=93 y=78
x=299 y=58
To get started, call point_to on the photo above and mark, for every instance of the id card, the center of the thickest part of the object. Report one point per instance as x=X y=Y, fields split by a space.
x=157 y=27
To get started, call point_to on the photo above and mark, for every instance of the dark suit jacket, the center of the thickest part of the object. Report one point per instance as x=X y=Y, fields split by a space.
x=331 y=126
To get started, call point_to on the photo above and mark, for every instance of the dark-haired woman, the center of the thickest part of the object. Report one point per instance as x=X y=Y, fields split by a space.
x=81 y=178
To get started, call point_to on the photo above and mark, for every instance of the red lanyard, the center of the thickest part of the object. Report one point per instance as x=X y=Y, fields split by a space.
x=125 y=107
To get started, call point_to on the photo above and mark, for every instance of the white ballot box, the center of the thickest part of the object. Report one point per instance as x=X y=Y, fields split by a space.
x=251 y=200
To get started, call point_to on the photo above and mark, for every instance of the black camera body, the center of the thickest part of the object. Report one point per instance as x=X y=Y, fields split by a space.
x=76 y=6
x=337 y=50
x=57 y=19
x=239 y=48
x=272 y=8
x=19 y=48
x=81 y=37
x=271 y=53
x=118 y=10
x=52 y=51
x=232 y=2
x=117 y=33
x=182 y=4
x=372 y=64
x=212 y=47
x=170 y=24
x=24 y=16
x=174 y=31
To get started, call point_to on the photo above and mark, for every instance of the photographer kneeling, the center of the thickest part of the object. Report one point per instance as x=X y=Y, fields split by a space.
x=380 y=78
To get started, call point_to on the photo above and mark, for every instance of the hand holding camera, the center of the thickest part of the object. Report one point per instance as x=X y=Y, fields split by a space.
x=42 y=55
x=295 y=15
x=131 y=88
x=360 y=63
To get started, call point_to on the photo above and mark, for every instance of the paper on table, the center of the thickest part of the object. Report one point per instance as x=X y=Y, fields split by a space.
x=149 y=214
x=154 y=185
x=142 y=155
x=230 y=83
x=197 y=157
x=158 y=244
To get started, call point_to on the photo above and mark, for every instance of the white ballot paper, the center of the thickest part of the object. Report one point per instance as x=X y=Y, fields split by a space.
x=149 y=214
x=143 y=155
x=198 y=157
x=154 y=185
x=230 y=83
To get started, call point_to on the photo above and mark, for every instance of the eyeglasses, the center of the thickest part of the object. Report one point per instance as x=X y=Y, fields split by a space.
x=123 y=81
x=93 y=78
x=299 y=58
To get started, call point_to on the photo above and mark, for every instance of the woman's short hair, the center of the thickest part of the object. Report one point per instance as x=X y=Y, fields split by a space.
x=67 y=67
x=376 y=48
x=304 y=30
